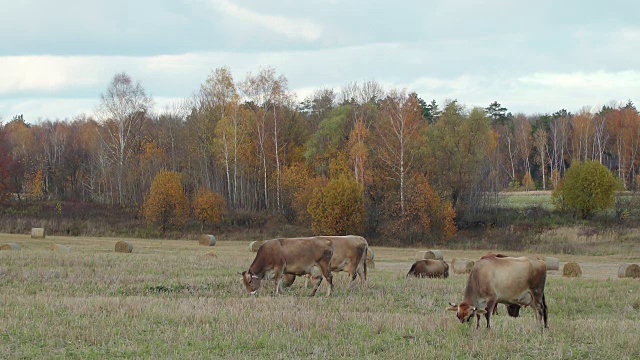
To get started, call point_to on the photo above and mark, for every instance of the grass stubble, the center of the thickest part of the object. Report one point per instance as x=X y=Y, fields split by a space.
x=167 y=300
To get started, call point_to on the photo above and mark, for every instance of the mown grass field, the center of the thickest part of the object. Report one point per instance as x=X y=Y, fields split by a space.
x=168 y=299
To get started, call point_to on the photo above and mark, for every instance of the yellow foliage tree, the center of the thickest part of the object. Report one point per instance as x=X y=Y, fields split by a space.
x=208 y=206
x=337 y=208
x=166 y=203
x=527 y=181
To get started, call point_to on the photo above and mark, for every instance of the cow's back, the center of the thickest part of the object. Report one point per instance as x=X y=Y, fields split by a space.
x=347 y=250
x=508 y=277
x=300 y=254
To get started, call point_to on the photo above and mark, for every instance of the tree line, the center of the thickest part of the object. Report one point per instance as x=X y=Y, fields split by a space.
x=416 y=166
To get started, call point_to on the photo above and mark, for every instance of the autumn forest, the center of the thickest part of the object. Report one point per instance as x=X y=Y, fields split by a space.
x=360 y=159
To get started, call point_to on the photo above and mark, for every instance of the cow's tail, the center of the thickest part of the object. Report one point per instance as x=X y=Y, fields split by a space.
x=364 y=263
x=545 y=313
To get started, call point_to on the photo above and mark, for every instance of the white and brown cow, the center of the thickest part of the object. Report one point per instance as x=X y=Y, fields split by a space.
x=505 y=280
x=295 y=256
x=349 y=255
x=429 y=268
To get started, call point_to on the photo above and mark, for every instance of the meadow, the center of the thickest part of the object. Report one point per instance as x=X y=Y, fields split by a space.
x=170 y=299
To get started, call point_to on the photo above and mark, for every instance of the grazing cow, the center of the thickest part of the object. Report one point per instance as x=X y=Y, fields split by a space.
x=297 y=256
x=505 y=280
x=429 y=268
x=512 y=309
x=349 y=255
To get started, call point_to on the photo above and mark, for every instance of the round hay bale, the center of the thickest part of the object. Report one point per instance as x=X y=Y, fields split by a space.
x=10 y=246
x=37 y=233
x=433 y=255
x=553 y=263
x=255 y=245
x=469 y=266
x=124 y=247
x=211 y=253
x=370 y=254
x=629 y=271
x=60 y=248
x=460 y=265
x=420 y=255
x=572 y=269
x=207 y=240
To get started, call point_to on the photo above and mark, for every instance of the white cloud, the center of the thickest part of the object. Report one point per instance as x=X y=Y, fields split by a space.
x=290 y=27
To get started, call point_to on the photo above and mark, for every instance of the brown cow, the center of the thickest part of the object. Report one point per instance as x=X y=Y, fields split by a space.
x=349 y=255
x=503 y=280
x=429 y=268
x=297 y=256
x=512 y=309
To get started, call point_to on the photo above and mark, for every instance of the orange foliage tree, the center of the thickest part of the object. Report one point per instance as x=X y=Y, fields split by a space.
x=166 y=204
x=208 y=206
x=426 y=216
x=337 y=208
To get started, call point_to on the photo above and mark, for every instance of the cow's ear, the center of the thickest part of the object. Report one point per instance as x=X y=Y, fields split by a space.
x=480 y=311
x=453 y=307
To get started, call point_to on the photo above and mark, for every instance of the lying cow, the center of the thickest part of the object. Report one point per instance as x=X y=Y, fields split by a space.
x=429 y=268
x=505 y=280
x=297 y=256
x=349 y=255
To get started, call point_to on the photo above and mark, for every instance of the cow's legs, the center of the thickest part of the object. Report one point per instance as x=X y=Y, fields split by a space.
x=491 y=305
x=277 y=279
x=315 y=288
x=540 y=307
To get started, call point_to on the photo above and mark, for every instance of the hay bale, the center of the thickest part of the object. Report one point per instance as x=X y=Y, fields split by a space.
x=553 y=263
x=207 y=240
x=430 y=255
x=433 y=255
x=469 y=266
x=10 y=246
x=255 y=245
x=462 y=266
x=572 y=269
x=210 y=253
x=629 y=271
x=60 y=248
x=124 y=247
x=370 y=254
x=37 y=233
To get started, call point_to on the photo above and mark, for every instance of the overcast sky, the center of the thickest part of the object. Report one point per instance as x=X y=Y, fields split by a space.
x=57 y=57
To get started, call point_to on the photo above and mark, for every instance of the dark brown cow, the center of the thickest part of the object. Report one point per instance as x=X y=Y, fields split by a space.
x=297 y=256
x=505 y=280
x=429 y=268
x=349 y=255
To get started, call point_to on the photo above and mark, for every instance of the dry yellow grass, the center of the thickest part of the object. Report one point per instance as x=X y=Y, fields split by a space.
x=167 y=300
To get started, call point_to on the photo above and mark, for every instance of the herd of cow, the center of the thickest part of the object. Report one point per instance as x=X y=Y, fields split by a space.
x=495 y=278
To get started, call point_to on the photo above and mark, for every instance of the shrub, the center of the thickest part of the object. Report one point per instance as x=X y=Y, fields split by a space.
x=166 y=204
x=587 y=187
x=208 y=206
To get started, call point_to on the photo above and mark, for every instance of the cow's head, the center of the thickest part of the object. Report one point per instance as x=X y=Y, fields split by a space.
x=251 y=282
x=465 y=311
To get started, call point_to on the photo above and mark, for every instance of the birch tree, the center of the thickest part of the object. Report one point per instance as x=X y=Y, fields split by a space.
x=122 y=110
